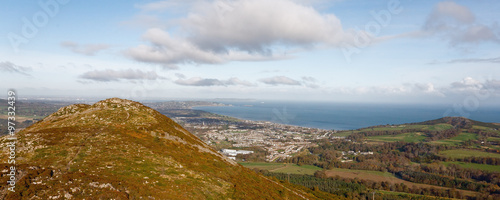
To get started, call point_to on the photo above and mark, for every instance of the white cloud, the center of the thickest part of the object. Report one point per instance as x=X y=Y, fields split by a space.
x=449 y=11
x=117 y=75
x=170 y=51
x=198 y=81
x=467 y=83
x=256 y=25
x=180 y=76
x=13 y=68
x=457 y=24
x=470 y=87
x=88 y=49
x=280 y=80
x=236 y=81
x=310 y=82
x=222 y=31
x=428 y=89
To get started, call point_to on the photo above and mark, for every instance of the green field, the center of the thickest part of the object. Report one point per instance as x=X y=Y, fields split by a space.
x=492 y=168
x=485 y=128
x=385 y=128
x=342 y=134
x=462 y=137
x=407 y=137
x=462 y=153
x=438 y=127
x=259 y=165
x=283 y=168
x=343 y=173
x=366 y=172
x=494 y=139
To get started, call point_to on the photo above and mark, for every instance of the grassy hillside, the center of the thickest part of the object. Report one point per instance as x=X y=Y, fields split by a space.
x=457 y=140
x=406 y=137
x=453 y=131
x=121 y=149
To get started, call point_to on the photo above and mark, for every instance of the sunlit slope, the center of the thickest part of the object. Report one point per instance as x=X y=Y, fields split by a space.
x=124 y=150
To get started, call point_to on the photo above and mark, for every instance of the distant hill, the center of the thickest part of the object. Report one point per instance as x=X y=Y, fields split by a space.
x=461 y=122
x=124 y=150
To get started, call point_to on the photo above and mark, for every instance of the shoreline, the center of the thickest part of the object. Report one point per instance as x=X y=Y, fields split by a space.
x=340 y=117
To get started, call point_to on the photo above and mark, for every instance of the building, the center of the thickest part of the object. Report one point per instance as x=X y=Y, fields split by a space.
x=232 y=153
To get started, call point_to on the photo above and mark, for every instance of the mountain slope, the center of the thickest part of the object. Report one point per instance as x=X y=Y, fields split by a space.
x=124 y=150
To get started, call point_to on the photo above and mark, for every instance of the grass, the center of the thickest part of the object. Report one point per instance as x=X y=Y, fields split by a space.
x=438 y=127
x=284 y=168
x=295 y=169
x=260 y=165
x=364 y=172
x=462 y=137
x=342 y=134
x=491 y=168
x=384 y=128
x=480 y=127
x=484 y=128
x=462 y=153
x=494 y=139
x=407 y=137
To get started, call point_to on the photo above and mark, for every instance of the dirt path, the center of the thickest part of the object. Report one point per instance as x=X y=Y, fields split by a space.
x=80 y=147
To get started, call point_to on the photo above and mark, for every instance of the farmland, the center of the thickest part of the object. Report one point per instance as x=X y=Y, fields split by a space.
x=407 y=137
x=457 y=139
x=491 y=168
x=283 y=168
x=377 y=176
x=462 y=153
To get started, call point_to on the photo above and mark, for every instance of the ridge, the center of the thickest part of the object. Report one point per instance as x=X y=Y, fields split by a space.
x=121 y=149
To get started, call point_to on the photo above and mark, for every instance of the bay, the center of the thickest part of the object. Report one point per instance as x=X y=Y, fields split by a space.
x=345 y=116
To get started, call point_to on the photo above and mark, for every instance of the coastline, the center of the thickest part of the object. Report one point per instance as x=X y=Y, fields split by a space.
x=342 y=116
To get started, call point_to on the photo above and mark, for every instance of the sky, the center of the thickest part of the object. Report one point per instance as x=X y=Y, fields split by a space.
x=387 y=51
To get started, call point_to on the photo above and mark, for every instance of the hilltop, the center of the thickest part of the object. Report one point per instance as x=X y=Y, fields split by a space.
x=461 y=121
x=122 y=149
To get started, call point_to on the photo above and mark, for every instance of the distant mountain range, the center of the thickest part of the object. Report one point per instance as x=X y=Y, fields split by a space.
x=122 y=149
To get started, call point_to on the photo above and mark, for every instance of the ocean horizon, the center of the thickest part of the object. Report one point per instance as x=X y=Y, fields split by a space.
x=346 y=116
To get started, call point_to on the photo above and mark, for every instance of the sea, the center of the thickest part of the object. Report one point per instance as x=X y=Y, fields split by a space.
x=346 y=116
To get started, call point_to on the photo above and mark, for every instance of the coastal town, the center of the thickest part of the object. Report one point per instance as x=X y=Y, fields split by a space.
x=233 y=137
x=230 y=135
x=279 y=141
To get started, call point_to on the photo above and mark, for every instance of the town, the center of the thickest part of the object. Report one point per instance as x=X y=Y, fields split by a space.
x=277 y=140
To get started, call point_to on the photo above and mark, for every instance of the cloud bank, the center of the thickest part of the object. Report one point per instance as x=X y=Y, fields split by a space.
x=223 y=31
x=13 y=68
x=457 y=25
x=117 y=75
x=280 y=80
x=198 y=81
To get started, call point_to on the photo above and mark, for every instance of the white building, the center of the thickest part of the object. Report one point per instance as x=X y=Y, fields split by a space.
x=232 y=153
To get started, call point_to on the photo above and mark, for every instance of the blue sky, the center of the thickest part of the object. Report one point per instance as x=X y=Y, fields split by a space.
x=393 y=51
